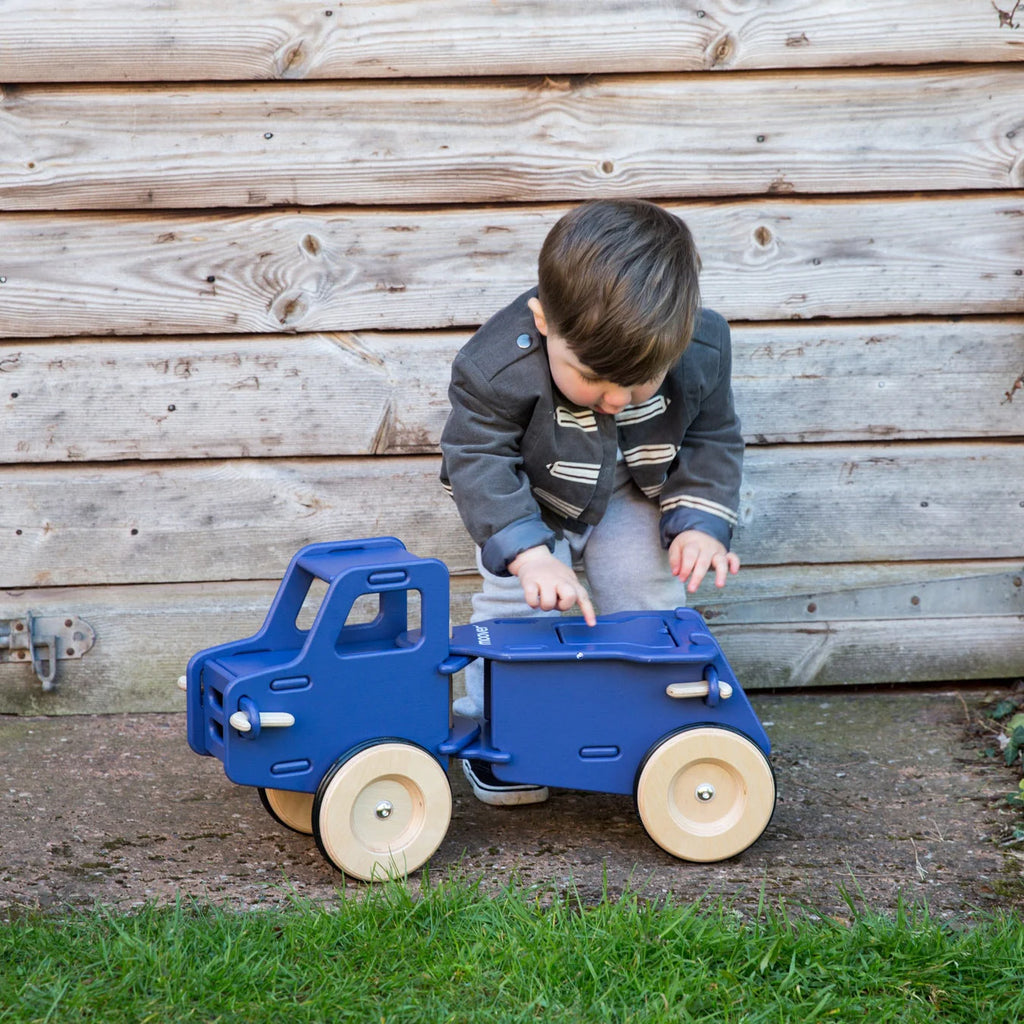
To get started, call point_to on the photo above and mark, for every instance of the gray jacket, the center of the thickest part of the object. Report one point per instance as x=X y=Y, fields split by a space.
x=524 y=464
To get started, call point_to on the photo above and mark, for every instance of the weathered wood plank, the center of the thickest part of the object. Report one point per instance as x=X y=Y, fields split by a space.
x=241 y=519
x=865 y=590
x=896 y=379
x=313 y=394
x=361 y=394
x=333 y=270
x=883 y=651
x=555 y=140
x=809 y=503
x=127 y=40
x=147 y=634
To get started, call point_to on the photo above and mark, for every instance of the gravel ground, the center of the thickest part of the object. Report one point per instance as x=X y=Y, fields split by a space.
x=881 y=795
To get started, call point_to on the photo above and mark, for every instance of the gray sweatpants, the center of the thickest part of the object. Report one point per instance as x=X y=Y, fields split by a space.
x=626 y=566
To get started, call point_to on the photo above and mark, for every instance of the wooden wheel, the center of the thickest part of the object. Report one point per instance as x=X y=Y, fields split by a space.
x=382 y=811
x=293 y=810
x=705 y=793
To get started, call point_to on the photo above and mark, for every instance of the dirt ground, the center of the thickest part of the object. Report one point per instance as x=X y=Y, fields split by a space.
x=881 y=795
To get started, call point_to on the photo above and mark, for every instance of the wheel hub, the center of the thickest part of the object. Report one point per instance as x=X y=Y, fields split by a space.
x=705 y=792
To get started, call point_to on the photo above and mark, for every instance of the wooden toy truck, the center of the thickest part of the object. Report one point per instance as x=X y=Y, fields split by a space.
x=346 y=726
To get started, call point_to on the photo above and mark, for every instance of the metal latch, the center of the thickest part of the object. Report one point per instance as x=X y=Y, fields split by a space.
x=43 y=640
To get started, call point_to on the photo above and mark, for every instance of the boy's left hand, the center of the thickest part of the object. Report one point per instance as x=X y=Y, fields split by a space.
x=692 y=553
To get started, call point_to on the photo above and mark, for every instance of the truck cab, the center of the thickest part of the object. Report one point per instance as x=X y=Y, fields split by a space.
x=280 y=707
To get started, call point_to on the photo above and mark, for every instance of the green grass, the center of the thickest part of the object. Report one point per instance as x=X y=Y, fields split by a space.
x=455 y=954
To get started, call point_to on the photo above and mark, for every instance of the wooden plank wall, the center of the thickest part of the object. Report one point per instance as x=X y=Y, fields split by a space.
x=241 y=241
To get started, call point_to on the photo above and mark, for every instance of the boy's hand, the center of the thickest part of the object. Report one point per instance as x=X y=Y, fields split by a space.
x=692 y=553
x=548 y=583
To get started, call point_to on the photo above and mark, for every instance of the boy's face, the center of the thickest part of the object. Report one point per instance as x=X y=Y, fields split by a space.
x=580 y=384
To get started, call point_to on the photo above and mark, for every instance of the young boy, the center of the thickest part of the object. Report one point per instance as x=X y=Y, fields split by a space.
x=592 y=421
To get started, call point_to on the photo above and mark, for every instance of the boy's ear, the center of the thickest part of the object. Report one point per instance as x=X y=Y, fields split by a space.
x=538 y=315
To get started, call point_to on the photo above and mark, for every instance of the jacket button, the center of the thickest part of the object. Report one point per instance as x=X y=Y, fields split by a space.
x=524 y=341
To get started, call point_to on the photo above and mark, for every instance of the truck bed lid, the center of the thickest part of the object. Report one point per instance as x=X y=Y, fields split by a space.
x=659 y=636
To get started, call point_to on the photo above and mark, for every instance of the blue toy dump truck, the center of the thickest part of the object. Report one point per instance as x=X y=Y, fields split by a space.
x=345 y=725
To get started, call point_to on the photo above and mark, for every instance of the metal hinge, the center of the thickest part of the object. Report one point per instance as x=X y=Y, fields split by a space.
x=43 y=640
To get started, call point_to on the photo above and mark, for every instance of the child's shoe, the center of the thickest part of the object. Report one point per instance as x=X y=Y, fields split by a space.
x=497 y=793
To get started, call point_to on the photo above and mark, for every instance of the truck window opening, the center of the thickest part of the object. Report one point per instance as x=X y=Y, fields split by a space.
x=311 y=604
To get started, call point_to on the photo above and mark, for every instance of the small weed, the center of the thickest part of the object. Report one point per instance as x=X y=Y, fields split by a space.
x=1007 y=713
x=1004 y=723
x=1002 y=709
x=1014 y=739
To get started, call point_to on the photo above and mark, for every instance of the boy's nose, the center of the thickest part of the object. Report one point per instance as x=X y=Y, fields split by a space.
x=617 y=398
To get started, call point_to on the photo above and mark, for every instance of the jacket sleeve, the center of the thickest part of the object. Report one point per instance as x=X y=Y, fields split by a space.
x=703 y=486
x=483 y=469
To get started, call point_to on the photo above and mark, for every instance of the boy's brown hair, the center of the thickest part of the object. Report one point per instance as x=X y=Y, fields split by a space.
x=618 y=282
